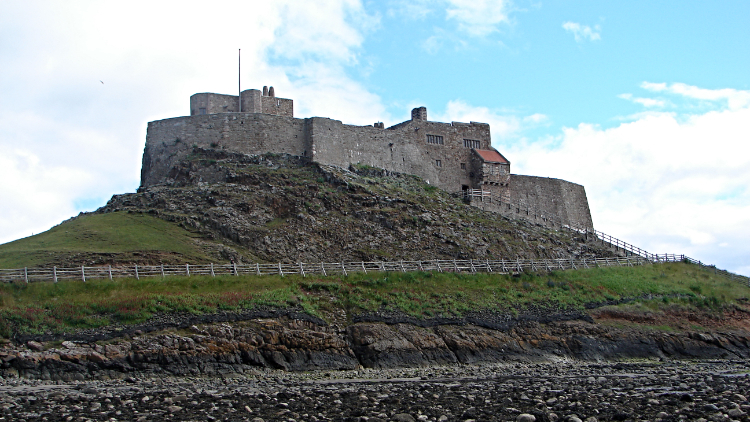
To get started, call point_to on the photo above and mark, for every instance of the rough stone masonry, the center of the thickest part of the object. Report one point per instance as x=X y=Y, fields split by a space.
x=455 y=157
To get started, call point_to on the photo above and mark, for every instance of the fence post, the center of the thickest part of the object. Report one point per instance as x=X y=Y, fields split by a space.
x=257 y=268
x=403 y=270
x=212 y=270
x=323 y=267
x=437 y=264
x=54 y=274
x=110 y=272
x=83 y=274
x=302 y=270
x=343 y=267
x=471 y=262
x=136 y=272
x=162 y=270
x=363 y=267
x=187 y=269
x=234 y=267
x=26 y=274
x=488 y=266
x=280 y=271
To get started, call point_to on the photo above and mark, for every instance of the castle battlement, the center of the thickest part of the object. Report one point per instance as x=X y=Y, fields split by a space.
x=452 y=156
x=253 y=101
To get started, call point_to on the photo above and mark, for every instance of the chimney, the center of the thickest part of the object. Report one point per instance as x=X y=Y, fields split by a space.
x=419 y=113
x=271 y=92
x=265 y=91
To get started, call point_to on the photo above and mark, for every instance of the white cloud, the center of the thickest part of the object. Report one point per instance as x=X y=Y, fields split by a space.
x=646 y=102
x=478 y=18
x=666 y=182
x=735 y=99
x=583 y=32
x=66 y=139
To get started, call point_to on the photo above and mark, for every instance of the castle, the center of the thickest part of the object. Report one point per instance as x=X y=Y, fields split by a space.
x=456 y=157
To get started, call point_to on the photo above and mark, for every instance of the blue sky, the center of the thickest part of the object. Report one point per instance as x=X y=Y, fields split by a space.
x=647 y=104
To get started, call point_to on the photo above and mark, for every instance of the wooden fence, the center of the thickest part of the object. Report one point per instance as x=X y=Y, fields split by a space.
x=55 y=274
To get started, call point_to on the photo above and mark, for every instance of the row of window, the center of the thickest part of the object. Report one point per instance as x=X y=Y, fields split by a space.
x=435 y=139
x=438 y=140
x=471 y=143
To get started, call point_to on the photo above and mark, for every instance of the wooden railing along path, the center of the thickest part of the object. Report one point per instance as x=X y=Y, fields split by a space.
x=526 y=211
x=83 y=273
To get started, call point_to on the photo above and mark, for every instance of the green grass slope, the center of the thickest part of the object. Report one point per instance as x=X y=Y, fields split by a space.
x=66 y=306
x=123 y=234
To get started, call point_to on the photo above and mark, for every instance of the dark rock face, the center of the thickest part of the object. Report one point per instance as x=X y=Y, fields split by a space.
x=297 y=345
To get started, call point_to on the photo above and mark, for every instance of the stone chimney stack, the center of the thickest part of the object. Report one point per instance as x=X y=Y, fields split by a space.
x=271 y=92
x=419 y=113
x=265 y=91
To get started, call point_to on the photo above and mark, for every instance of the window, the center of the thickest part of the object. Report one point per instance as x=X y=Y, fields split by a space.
x=471 y=143
x=435 y=139
x=201 y=111
x=438 y=163
x=463 y=166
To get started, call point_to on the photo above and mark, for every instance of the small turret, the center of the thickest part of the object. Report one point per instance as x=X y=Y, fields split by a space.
x=419 y=113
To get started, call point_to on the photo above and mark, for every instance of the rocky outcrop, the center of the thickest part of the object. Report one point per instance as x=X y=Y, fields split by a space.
x=281 y=208
x=297 y=345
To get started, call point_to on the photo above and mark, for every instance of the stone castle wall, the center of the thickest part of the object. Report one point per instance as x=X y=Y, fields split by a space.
x=402 y=148
x=169 y=141
x=549 y=196
x=440 y=153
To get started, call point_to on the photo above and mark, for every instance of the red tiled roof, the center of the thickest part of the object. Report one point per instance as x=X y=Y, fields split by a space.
x=491 y=156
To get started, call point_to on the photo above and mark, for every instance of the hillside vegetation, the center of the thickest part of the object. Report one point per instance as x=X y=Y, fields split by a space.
x=66 y=306
x=118 y=237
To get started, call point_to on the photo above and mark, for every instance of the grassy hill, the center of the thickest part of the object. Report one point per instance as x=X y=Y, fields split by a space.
x=70 y=305
x=126 y=236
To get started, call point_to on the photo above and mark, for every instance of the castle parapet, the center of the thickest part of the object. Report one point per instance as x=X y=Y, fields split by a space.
x=253 y=101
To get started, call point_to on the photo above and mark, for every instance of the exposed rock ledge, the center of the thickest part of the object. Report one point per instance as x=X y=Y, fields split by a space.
x=217 y=348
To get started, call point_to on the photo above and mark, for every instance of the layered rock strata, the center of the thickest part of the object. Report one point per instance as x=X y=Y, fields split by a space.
x=297 y=345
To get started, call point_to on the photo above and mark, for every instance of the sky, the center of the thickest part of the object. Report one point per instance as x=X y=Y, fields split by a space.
x=646 y=104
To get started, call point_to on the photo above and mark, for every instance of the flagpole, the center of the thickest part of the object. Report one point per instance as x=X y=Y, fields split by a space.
x=239 y=77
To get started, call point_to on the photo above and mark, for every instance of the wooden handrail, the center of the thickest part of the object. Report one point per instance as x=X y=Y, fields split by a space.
x=326 y=268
